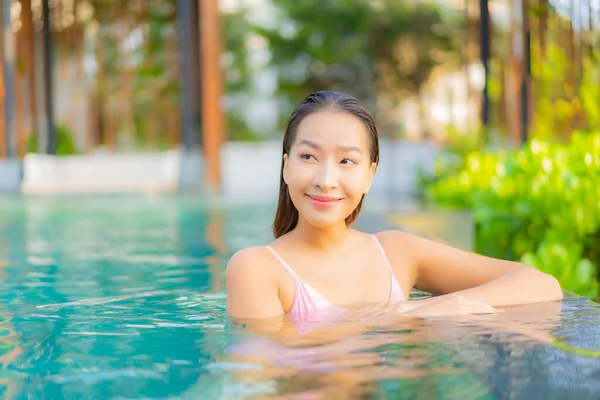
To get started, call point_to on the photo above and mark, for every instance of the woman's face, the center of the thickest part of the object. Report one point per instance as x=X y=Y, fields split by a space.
x=328 y=168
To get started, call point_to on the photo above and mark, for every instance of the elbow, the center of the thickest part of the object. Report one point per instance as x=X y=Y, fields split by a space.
x=555 y=290
x=549 y=288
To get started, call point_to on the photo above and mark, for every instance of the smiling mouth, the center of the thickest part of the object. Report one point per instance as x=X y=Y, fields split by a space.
x=324 y=199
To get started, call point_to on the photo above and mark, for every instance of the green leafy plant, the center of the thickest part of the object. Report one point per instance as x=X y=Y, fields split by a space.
x=539 y=204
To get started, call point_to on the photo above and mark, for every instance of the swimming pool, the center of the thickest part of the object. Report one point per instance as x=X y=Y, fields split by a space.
x=123 y=297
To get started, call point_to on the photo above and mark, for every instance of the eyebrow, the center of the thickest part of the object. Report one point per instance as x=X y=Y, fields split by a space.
x=316 y=146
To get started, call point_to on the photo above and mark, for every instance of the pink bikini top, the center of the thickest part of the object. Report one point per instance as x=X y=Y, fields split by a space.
x=307 y=299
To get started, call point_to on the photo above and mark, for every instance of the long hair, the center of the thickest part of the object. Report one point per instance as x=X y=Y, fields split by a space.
x=286 y=216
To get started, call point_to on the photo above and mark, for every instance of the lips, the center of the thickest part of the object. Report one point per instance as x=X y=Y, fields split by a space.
x=324 y=199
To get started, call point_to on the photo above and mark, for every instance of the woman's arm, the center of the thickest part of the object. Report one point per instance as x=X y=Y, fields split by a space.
x=443 y=270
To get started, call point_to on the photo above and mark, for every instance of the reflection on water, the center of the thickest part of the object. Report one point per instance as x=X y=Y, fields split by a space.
x=405 y=358
x=124 y=298
x=397 y=356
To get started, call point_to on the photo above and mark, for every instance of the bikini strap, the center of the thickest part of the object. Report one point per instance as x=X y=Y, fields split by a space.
x=283 y=263
x=387 y=261
x=396 y=293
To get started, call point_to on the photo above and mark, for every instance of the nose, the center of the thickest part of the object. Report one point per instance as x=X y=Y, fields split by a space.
x=327 y=176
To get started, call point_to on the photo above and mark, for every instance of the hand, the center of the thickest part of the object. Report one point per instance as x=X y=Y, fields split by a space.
x=449 y=305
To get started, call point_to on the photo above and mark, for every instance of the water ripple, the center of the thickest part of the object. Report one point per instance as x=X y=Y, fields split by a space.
x=125 y=298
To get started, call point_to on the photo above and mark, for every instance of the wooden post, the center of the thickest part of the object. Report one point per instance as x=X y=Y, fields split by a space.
x=543 y=26
x=22 y=78
x=8 y=61
x=525 y=72
x=29 y=64
x=484 y=32
x=470 y=12
x=515 y=71
x=48 y=80
x=189 y=47
x=211 y=83
x=2 y=99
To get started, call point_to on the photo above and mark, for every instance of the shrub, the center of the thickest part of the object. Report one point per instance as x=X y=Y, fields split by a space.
x=539 y=205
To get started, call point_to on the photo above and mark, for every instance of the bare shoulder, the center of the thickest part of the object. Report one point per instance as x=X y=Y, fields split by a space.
x=392 y=235
x=418 y=249
x=249 y=262
x=401 y=250
x=395 y=238
x=252 y=286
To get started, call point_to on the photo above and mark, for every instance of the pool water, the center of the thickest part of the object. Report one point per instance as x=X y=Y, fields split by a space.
x=124 y=297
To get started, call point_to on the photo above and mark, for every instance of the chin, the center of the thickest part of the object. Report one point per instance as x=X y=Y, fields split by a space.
x=321 y=223
x=325 y=220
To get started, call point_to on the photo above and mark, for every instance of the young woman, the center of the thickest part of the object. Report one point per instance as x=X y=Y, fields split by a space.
x=318 y=261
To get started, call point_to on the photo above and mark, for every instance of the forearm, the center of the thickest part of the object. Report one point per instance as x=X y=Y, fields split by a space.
x=522 y=286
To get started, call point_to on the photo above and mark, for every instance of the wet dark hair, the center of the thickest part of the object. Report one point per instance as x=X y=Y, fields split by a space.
x=286 y=216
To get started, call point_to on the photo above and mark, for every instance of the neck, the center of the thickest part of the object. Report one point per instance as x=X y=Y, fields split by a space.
x=323 y=239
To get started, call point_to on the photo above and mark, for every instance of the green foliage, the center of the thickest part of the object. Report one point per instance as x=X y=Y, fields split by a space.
x=237 y=69
x=238 y=72
x=371 y=49
x=65 y=142
x=539 y=205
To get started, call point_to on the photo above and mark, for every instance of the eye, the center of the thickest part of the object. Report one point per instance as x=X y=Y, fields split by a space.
x=347 y=161
x=307 y=156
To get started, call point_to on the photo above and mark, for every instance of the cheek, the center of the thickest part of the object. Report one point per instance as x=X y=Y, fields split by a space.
x=357 y=181
x=296 y=175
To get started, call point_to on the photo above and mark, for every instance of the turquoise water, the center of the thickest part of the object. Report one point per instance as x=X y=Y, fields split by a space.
x=123 y=297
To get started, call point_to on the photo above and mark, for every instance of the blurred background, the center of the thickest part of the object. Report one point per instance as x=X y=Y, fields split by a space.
x=140 y=147
x=489 y=106
x=80 y=76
